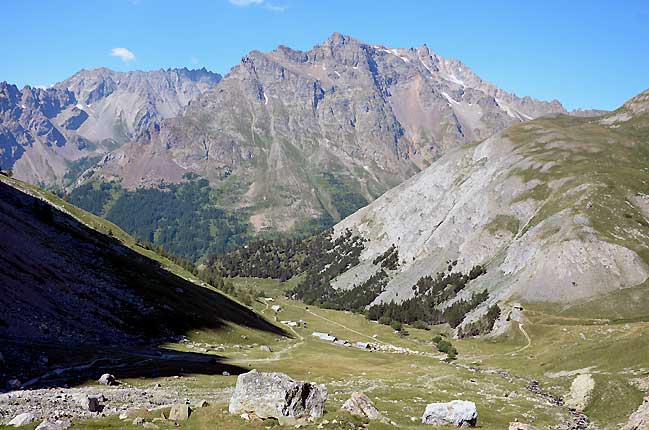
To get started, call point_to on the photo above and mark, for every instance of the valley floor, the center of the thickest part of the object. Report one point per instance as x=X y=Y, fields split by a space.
x=404 y=375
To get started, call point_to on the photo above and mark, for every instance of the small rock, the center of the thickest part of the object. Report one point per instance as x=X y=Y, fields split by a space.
x=107 y=379
x=245 y=416
x=226 y=373
x=265 y=348
x=521 y=426
x=361 y=405
x=202 y=404
x=22 y=419
x=179 y=412
x=89 y=403
x=138 y=421
x=457 y=412
x=54 y=425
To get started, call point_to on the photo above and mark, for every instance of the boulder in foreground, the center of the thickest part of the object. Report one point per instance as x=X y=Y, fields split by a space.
x=460 y=413
x=276 y=395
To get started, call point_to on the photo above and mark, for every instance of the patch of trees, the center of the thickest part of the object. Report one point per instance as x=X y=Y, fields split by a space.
x=389 y=259
x=455 y=313
x=445 y=346
x=429 y=293
x=344 y=196
x=182 y=218
x=483 y=325
x=280 y=259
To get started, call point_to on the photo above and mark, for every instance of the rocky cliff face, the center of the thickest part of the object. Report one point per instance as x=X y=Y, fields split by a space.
x=557 y=209
x=291 y=134
x=43 y=131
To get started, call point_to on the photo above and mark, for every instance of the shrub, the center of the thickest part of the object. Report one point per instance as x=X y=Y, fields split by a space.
x=385 y=320
x=419 y=324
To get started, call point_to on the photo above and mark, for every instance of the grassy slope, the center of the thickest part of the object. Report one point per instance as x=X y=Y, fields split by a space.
x=401 y=385
x=609 y=163
x=195 y=299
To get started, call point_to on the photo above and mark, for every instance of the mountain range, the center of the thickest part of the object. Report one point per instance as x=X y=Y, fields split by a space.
x=294 y=136
x=289 y=141
x=47 y=134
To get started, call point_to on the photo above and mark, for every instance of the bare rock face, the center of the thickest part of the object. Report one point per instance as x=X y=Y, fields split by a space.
x=361 y=405
x=276 y=395
x=460 y=413
x=639 y=420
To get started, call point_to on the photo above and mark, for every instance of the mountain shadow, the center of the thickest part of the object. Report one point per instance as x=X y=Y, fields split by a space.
x=87 y=302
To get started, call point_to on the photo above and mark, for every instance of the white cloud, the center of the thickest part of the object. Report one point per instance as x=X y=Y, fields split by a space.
x=123 y=53
x=246 y=2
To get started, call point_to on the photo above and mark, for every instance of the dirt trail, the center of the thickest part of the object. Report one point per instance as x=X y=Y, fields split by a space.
x=529 y=340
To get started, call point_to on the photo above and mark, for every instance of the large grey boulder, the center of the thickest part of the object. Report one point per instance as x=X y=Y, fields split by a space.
x=460 y=413
x=54 y=425
x=276 y=395
x=361 y=405
x=22 y=419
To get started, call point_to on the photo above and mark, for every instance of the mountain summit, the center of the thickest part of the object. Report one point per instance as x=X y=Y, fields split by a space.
x=295 y=137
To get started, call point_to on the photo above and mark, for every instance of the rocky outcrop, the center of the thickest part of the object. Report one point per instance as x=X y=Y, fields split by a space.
x=361 y=405
x=459 y=413
x=580 y=392
x=639 y=420
x=275 y=395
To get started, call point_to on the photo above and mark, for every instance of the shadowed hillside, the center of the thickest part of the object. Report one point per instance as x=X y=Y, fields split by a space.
x=64 y=285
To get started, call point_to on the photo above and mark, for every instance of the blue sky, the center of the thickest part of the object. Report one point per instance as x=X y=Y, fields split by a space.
x=587 y=54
